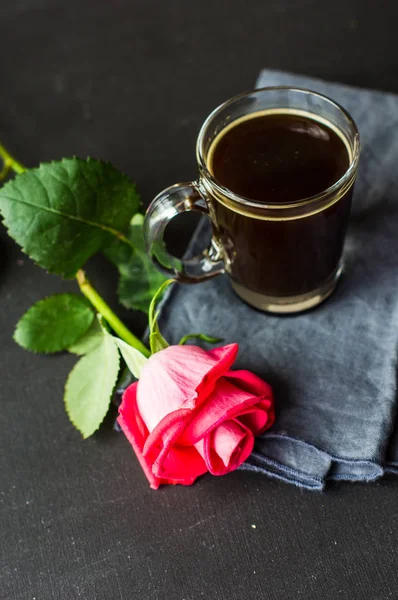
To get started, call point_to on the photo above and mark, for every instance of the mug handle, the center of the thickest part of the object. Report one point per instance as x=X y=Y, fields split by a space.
x=177 y=199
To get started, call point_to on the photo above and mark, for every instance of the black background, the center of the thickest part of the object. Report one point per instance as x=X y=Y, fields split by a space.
x=131 y=81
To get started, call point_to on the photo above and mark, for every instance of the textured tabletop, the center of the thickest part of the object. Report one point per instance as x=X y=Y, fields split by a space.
x=131 y=82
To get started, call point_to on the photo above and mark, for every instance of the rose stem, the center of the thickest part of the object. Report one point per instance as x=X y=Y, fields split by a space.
x=9 y=163
x=102 y=307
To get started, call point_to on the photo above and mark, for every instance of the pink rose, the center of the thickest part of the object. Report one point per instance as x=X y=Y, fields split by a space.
x=189 y=414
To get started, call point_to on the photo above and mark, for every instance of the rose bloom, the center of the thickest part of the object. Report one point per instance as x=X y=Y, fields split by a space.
x=189 y=414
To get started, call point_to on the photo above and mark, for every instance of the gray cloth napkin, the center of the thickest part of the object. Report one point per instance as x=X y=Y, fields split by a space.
x=334 y=369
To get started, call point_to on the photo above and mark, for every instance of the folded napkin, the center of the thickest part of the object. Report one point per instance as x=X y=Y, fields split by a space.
x=334 y=369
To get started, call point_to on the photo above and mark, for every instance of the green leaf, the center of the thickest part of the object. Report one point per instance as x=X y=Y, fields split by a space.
x=62 y=213
x=156 y=340
x=133 y=359
x=200 y=336
x=54 y=324
x=152 y=317
x=89 y=340
x=138 y=277
x=90 y=385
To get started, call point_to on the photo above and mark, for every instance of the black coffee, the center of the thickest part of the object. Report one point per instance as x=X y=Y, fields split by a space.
x=275 y=158
x=278 y=158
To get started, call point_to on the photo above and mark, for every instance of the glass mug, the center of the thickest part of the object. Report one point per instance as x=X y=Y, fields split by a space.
x=280 y=257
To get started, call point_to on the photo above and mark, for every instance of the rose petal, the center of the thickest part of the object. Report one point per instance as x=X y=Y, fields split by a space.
x=253 y=384
x=179 y=376
x=224 y=357
x=228 y=401
x=168 y=464
x=232 y=443
x=258 y=419
x=135 y=431
x=226 y=447
x=249 y=382
x=181 y=465
x=170 y=461
x=169 y=429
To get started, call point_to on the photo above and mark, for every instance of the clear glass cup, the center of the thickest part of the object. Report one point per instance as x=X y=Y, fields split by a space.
x=280 y=257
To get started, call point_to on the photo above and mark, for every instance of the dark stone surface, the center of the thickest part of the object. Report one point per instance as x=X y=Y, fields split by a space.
x=131 y=82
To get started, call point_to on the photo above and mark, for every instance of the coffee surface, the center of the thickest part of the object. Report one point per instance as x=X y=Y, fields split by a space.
x=274 y=157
